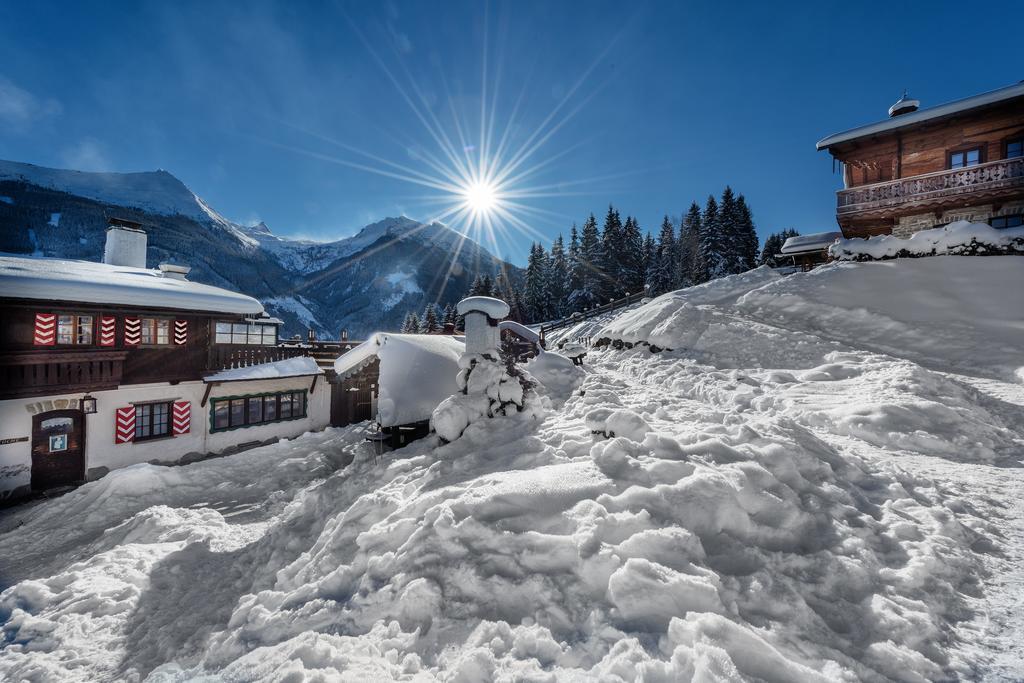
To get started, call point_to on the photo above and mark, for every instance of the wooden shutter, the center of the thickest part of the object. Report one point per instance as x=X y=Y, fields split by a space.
x=132 y=331
x=108 y=328
x=45 y=330
x=180 y=332
x=124 y=425
x=181 y=419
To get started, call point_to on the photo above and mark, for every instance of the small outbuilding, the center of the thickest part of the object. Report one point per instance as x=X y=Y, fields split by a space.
x=808 y=251
x=397 y=380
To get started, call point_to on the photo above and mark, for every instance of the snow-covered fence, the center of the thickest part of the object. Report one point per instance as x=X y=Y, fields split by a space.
x=959 y=238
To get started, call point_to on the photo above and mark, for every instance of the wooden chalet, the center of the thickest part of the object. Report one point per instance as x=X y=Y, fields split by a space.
x=924 y=168
x=104 y=365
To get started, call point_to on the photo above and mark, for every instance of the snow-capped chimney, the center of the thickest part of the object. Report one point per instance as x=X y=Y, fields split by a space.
x=126 y=244
x=482 y=314
x=904 y=105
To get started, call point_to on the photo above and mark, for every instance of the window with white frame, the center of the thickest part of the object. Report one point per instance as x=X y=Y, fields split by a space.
x=74 y=329
x=156 y=331
x=254 y=334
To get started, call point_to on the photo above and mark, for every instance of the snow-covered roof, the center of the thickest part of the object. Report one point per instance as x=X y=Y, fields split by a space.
x=417 y=372
x=300 y=366
x=520 y=329
x=921 y=115
x=803 y=243
x=89 y=282
x=494 y=308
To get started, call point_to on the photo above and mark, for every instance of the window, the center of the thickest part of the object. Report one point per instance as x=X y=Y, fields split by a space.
x=152 y=420
x=1001 y=222
x=74 y=329
x=247 y=411
x=156 y=331
x=965 y=158
x=246 y=333
x=1015 y=148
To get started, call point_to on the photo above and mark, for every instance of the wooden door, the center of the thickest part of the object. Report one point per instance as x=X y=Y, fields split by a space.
x=58 y=449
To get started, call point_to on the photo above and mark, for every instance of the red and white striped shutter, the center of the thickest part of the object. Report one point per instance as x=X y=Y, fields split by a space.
x=124 y=425
x=108 y=328
x=45 y=333
x=180 y=332
x=181 y=419
x=132 y=331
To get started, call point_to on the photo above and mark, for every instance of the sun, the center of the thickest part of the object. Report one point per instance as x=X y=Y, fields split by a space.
x=480 y=197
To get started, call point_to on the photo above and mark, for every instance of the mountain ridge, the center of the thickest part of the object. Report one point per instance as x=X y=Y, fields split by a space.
x=362 y=282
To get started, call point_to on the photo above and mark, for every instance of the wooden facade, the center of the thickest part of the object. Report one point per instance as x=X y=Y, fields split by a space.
x=31 y=369
x=915 y=176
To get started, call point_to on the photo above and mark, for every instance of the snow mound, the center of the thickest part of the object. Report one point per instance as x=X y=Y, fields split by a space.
x=960 y=237
x=299 y=366
x=556 y=374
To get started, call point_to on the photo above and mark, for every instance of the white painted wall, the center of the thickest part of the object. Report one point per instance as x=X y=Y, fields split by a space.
x=101 y=451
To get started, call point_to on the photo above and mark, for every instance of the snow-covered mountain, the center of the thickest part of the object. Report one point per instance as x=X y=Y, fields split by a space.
x=361 y=283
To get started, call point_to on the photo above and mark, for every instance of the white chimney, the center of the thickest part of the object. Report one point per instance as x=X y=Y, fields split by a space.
x=482 y=314
x=126 y=244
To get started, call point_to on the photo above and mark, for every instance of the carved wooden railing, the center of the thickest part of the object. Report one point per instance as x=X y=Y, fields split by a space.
x=42 y=373
x=987 y=177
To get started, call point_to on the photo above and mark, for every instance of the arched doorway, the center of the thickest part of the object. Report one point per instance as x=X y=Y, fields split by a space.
x=58 y=449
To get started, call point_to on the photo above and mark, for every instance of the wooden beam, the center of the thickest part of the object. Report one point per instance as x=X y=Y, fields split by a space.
x=313 y=385
x=206 y=394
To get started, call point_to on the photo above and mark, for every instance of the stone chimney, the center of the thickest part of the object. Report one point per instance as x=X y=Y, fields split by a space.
x=126 y=244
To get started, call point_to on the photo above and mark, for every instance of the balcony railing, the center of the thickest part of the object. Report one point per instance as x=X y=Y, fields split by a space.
x=227 y=356
x=992 y=178
x=42 y=373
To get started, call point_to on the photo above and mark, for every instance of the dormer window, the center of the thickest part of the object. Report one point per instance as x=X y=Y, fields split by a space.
x=965 y=158
x=253 y=334
x=74 y=329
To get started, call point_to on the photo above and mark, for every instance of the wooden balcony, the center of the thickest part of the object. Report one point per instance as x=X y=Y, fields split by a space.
x=227 y=356
x=46 y=373
x=991 y=181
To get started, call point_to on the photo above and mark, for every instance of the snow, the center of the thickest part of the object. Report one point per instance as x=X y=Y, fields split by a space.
x=299 y=366
x=956 y=238
x=296 y=305
x=417 y=372
x=54 y=220
x=520 y=330
x=818 y=241
x=784 y=500
x=494 y=308
x=84 y=281
x=6 y=200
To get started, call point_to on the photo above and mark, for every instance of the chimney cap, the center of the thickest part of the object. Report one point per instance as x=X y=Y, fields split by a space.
x=174 y=271
x=123 y=223
x=904 y=105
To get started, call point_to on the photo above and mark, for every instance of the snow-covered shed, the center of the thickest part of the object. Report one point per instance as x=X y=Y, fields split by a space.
x=398 y=380
x=808 y=251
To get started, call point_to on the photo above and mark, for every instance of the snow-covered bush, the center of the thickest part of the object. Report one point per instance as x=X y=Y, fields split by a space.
x=491 y=385
x=959 y=238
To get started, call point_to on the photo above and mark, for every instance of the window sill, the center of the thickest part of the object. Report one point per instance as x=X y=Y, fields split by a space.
x=151 y=439
x=216 y=430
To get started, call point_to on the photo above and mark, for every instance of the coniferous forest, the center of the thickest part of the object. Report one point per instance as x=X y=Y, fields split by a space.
x=603 y=262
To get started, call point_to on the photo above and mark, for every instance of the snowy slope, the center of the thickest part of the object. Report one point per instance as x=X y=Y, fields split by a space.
x=770 y=504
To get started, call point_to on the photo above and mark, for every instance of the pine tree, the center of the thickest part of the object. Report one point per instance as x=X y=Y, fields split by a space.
x=747 y=234
x=587 y=269
x=535 y=301
x=772 y=252
x=450 y=315
x=611 y=257
x=631 y=264
x=556 y=278
x=574 y=275
x=487 y=285
x=712 y=251
x=429 y=323
x=730 y=239
x=663 y=268
x=650 y=262
x=407 y=324
x=690 y=267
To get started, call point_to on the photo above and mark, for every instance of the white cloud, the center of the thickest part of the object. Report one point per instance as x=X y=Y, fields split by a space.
x=88 y=154
x=19 y=108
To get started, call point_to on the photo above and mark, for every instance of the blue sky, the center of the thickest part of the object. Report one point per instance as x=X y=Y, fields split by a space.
x=265 y=109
